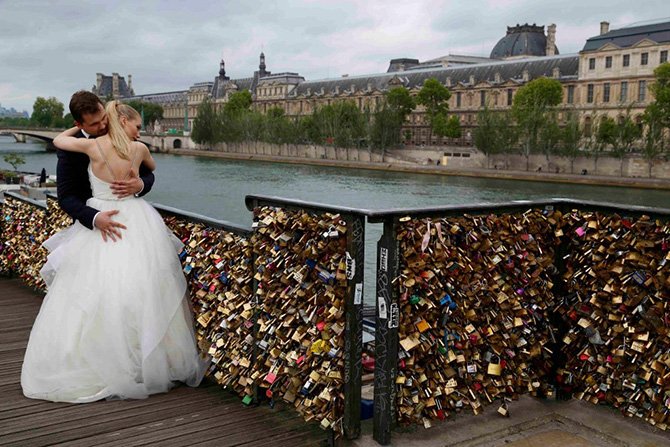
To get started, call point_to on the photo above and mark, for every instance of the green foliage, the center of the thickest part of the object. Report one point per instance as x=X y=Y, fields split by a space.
x=654 y=138
x=238 y=102
x=341 y=124
x=206 y=126
x=495 y=132
x=531 y=109
x=401 y=102
x=385 y=128
x=15 y=160
x=570 y=137
x=151 y=112
x=14 y=122
x=47 y=112
x=434 y=96
x=606 y=132
x=550 y=137
x=661 y=90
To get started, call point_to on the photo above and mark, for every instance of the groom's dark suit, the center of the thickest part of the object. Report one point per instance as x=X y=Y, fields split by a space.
x=74 y=187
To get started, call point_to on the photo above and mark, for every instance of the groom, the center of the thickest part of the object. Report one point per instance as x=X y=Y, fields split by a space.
x=73 y=184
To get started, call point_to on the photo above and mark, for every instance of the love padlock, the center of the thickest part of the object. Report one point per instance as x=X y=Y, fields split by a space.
x=494 y=368
x=502 y=410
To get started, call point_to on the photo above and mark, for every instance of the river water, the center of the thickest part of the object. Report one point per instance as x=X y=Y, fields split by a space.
x=216 y=187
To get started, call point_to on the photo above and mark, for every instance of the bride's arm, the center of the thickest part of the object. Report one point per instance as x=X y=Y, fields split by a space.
x=68 y=142
x=147 y=160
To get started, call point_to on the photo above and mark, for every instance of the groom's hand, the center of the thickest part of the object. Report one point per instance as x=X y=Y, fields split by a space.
x=107 y=226
x=125 y=188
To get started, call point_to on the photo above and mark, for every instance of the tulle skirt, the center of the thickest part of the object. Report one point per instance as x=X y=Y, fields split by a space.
x=115 y=322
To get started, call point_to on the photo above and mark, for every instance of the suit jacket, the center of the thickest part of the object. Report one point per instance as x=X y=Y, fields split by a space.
x=74 y=187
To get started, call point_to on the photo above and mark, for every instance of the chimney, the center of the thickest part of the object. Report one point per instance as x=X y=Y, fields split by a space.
x=98 y=81
x=551 y=40
x=604 y=27
x=130 y=82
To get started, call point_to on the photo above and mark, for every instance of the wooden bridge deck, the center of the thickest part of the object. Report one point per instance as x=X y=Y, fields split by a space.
x=183 y=417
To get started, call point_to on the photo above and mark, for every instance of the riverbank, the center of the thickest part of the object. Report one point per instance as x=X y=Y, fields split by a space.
x=629 y=182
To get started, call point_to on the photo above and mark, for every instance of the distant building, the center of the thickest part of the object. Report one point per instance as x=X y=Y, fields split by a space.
x=610 y=76
x=113 y=86
x=12 y=113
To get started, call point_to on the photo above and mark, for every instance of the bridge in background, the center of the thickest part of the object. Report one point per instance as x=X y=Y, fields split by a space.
x=157 y=143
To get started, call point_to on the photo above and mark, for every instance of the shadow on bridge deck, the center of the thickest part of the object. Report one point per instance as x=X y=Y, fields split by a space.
x=185 y=416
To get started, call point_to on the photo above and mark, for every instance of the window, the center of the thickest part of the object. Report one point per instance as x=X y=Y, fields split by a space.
x=571 y=94
x=664 y=57
x=623 y=96
x=644 y=58
x=592 y=63
x=510 y=95
x=626 y=60
x=606 y=92
x=608 y=62
x=458 y=99
x=589 y=93
x=642 y=91
x=482 y=98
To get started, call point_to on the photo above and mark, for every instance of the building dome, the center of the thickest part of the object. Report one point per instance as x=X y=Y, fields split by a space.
x=523 y=41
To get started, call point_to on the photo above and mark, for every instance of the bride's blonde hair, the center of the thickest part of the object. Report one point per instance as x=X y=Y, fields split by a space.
x=120 y=141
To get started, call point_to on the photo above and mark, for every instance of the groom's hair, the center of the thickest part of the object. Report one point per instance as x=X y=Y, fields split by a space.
x=82 y=103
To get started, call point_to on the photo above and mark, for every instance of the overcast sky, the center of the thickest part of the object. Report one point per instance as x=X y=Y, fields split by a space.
x=53 y=48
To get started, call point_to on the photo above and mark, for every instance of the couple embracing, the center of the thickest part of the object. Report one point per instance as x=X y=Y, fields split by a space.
x=115 y=322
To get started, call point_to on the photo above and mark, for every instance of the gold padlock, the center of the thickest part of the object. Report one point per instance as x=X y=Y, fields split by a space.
x=494 y=369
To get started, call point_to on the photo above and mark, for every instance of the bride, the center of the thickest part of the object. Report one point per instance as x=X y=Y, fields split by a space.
x=115 y=322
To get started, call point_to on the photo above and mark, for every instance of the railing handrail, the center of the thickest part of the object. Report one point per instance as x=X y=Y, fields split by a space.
x=23 y=198
x=199 y=218
x=303 y=204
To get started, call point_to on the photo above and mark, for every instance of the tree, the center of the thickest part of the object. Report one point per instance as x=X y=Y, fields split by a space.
x=494 y=134
x=531 y=107
x=626 y=133
x=401 y=102
x=238 y=102
x=150 y=111
x=661 y=90
x=550 y=137
x=15 y=160
x=434 y=96
x=654 y=138
x=570 y=138
x=391 y=119
x=206 y=129
x=47 y=112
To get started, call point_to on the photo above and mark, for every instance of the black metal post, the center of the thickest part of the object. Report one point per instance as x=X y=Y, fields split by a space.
x=353 y=338
x=386 y=334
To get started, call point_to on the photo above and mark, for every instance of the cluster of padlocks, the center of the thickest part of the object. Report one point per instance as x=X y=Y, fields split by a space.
x=475 y=295
x=24 y=228
x=539 y=302
x=301 y=274
x=617 y=348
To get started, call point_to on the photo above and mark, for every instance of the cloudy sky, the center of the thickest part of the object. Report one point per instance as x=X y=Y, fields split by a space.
x=53 y=48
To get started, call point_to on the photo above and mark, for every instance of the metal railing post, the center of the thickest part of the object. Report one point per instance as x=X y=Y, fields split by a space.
x=386 y=334
x=353 y=339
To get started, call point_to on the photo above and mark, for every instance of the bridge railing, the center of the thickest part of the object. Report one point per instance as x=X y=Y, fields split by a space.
x=278 y=307
x=479 y=304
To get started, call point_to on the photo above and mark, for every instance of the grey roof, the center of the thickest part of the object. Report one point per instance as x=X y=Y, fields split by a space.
x=524 y=40
x=627 y=37
x=106 y=87
x=161 y=98
x=508 y=70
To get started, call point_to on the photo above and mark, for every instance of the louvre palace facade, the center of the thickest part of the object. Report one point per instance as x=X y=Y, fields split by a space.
x=611 y=76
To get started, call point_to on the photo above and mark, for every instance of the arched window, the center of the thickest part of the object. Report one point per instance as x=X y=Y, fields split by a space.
x=587 y=126
x=176 y=144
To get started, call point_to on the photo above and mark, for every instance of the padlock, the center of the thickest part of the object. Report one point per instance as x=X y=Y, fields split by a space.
x=494 y=367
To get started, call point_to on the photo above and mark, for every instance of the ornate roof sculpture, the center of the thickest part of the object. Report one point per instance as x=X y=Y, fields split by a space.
x=525 y=41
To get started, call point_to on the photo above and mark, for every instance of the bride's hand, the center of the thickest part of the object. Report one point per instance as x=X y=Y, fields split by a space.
x=108 y=227
x=131 y=186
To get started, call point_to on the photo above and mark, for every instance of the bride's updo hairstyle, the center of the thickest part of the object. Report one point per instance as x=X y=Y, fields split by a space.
x=120 y=141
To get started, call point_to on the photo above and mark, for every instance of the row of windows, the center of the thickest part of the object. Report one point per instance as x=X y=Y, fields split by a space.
x=623 y=92
x=625 y=61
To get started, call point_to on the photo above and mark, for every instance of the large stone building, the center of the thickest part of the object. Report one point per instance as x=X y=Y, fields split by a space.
x=610 y=76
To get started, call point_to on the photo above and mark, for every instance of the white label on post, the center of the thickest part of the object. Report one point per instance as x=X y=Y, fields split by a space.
x=351 y=266
x=358 y=294
x=395 y=316
x=382 y=307
x=383 y=259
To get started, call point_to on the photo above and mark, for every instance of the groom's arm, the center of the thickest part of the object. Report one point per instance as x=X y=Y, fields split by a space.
x=148 y=178
x=67 y=187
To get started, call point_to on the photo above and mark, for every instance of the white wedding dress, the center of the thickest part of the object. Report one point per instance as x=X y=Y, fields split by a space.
x=115 y=322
